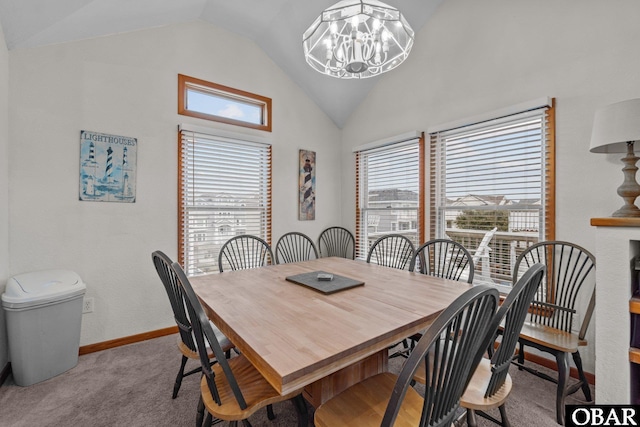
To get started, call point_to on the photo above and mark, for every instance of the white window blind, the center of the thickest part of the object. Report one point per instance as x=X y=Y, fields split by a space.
x=388 y=193
x=225 y=190
x=490 y=184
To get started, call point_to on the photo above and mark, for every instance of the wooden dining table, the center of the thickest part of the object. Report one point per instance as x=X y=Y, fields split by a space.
x=298 y=337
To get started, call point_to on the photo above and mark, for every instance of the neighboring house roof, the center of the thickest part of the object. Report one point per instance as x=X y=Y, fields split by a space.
x=479 y=200
x=471 y=200
x=392 y=194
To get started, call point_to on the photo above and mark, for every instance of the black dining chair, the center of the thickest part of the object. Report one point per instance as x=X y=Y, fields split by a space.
x=392 y=250
x=490 y=383
x=244 y=251
x=337 y=241
x=295 y=247
x=186 y=344
x=454 y=345
x=569 y=286
x=233 y=389
x=444 y=258
x=395 y=251
x=441 y=258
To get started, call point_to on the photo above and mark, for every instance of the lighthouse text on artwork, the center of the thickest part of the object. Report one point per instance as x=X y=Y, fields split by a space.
x=107 y=167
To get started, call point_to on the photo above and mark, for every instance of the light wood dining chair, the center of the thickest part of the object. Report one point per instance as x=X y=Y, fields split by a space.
x=232 y=389
x=337 y=241
x=454 y=345
x=295 y=247
x=553 y=323
x=244 y=251
x=392 y=250
x=186 y=344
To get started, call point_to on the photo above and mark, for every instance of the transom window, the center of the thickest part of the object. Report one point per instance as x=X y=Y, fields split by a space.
x=211 y=101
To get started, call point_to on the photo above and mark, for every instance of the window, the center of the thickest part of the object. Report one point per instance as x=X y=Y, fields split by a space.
x=224 y=191
x=210 y=101
x=390 y=196
x=492 y=187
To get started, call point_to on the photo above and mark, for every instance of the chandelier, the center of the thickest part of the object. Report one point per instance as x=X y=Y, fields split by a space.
x=356 y=39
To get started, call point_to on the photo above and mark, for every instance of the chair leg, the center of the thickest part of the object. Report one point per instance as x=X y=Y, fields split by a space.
x=270 y=413
x=503 y=416
x=246 y=423
x=563 y=377
x=472 y=420
x=176 y=386
x=301 y=409
x=521 y=356
x=585 y=384
x=200 y=413
x=208 y=420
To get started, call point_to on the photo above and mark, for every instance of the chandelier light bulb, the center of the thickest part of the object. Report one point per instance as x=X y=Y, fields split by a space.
x=358 y=39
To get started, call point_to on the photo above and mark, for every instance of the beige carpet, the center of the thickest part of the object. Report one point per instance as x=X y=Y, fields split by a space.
x=132 y=386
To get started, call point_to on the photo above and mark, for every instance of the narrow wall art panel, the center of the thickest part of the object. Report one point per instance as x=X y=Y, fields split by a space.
x=107 y=167
x=307 y=188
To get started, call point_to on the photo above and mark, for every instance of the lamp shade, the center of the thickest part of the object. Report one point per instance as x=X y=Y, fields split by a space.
x=614 y=125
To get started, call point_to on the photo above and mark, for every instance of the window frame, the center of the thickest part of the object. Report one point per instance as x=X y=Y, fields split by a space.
x=225 y=138
x=548 y=172
x=237 y=95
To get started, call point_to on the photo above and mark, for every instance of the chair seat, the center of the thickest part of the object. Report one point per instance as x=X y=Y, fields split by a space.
x=473 y=397
x=222 y=338
x=364 y=404
x=257 y=392
x=551 y=337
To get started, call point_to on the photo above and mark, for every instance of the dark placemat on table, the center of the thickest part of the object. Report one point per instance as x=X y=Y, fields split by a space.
x=338 y=283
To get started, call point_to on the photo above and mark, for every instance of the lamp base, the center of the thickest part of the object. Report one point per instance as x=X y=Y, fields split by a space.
x=629 y=189
x=627 y=211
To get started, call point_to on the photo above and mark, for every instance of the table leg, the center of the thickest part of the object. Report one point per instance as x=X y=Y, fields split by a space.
x=322 y=390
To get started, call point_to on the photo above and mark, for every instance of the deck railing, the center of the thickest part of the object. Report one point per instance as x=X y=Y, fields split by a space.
x=504 y=247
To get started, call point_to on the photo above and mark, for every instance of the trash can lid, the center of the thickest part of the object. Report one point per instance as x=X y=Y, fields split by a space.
x=40 y=287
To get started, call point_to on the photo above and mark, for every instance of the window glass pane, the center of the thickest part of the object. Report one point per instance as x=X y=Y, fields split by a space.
x=225 y=192
x=389 y=192
x=211 y=103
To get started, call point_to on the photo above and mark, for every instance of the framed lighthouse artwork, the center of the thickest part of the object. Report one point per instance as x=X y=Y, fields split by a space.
x=307 y=186
x=107 y=167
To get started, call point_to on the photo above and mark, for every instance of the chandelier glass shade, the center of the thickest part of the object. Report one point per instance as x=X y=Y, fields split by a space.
x=355 y=39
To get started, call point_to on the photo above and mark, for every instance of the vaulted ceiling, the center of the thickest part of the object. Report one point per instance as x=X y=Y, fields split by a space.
x=274 y=25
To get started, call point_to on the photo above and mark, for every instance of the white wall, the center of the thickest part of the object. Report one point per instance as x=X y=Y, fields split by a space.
x=127 y=85
x=473 y=57
x=4 y=189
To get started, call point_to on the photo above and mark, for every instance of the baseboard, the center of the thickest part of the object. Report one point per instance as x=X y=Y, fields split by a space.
x=551 y=364
x=105 y=345
x=4 y=374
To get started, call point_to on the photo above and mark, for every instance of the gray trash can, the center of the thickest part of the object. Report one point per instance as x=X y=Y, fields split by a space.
x=44 y=314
